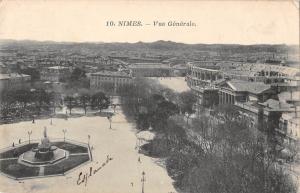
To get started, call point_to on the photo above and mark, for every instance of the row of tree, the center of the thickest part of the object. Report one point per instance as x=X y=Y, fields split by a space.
x=25 y=101
x=146 y=97
x=217 y=153
x=87 y=99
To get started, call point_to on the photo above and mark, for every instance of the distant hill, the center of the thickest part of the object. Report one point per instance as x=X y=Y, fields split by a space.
x=157 y=45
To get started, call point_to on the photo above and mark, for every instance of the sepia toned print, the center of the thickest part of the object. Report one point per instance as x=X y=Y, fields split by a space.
x=149 y=96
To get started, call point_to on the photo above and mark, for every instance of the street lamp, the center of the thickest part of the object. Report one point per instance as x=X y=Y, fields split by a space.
x=64 y=131
x=109 y=119
x=89 y=138
x=29 y=133
x=143 y=181
x=114 y=107
x=187 y=115
x=91 y=153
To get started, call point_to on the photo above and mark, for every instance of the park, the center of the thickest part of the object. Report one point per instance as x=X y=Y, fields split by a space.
x=122 y=174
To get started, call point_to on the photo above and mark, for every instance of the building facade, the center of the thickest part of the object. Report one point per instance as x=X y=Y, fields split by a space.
x=109 y=78
x=203 y=75
x=55 y=73
x=233 y=91
x=14 y=80
x=203 y=78
x=289 y=126
x=150 y=70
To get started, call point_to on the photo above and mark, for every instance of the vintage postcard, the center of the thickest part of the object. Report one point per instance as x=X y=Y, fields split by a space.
x=136 y=96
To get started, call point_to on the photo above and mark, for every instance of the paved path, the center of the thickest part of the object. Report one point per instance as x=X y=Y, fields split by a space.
x=11 y=158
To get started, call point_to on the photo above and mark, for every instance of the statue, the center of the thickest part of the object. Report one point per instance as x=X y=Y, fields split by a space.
x=45 y=132
x=44 y=151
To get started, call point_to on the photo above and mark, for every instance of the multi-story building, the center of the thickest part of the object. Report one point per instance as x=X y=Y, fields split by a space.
x=115 y=79
x=179 y=70
x=3 y=68
x=233 y=91
x=252 y=99
x=14 y=80
x=289 y=126
x=150 y=70
x=55 y=73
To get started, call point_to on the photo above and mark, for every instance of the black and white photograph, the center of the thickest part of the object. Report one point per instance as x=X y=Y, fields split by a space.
x=136 y=96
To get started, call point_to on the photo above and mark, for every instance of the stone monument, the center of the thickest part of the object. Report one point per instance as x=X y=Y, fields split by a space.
x=44 y=151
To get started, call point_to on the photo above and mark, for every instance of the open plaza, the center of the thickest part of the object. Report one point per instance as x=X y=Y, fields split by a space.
x=122 y=173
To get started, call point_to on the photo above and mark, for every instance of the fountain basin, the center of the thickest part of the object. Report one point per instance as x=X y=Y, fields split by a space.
x=47 y=157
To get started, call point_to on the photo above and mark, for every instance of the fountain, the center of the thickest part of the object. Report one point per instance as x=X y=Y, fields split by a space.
x=45 y=153
x=43 y=158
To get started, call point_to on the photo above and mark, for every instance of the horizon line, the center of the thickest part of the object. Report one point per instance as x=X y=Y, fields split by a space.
x=104 y=42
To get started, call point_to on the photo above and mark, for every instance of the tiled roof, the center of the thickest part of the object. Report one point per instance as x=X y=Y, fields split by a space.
x=13 y=75
x=149 y=65
x=275 y=104
x=251 y=67
x=287 y=95
x=252 y=87
x=111 y=74
x=57 y=67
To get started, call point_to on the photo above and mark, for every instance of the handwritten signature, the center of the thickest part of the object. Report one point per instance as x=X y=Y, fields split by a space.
x=83 y=178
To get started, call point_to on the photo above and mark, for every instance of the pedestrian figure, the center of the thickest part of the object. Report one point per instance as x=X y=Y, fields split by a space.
x=131 y=184
x=139 y=160
x=109 y=119
x=32 y=119
x=19 y=141
x=13 y=144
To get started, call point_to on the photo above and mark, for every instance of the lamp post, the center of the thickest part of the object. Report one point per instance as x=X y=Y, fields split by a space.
x=90 y=148
x=114 y=107
x=109 y=119
x=29 y=133
x=187 y=115
x=64 y=131
x=143 y=181
x=89 y=138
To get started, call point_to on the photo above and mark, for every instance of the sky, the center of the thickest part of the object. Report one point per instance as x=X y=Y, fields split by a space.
x=226 y=22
